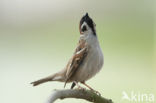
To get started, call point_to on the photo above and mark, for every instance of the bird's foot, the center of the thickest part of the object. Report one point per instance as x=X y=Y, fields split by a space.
x=79 y=87
x=98 y=93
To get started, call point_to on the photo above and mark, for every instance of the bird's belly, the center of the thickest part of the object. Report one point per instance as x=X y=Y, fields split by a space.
x=91 y=65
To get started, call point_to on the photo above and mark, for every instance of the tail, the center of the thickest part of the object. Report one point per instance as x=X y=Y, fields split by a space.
x=40 y=81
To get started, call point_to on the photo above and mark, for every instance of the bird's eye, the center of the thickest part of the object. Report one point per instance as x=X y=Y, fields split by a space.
x=84 y=28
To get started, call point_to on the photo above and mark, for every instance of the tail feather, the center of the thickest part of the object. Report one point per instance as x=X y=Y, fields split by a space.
x=35 y=83
x=55 y=77
x=40 y=81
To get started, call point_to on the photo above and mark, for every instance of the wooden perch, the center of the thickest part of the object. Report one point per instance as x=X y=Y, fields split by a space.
x=79 y=94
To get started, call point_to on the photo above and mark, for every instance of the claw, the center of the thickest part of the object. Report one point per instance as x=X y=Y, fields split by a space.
x=98 y=93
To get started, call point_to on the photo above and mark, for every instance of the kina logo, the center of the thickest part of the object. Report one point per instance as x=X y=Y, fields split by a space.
x=138 y=97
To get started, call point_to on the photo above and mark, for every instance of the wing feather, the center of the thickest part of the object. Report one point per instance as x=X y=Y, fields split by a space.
x=76 y=60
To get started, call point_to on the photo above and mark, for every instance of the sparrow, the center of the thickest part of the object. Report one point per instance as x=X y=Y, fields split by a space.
x=87 y=60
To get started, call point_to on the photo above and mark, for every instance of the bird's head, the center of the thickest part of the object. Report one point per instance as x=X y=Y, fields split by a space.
x=87 y=26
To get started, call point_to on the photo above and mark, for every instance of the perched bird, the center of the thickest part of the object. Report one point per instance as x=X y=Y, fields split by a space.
x=86 y=61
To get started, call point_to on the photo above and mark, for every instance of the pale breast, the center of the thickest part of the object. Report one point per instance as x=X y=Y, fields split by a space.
x=91 y=65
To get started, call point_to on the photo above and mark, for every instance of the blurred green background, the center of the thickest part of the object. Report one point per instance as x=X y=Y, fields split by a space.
x=37 y=38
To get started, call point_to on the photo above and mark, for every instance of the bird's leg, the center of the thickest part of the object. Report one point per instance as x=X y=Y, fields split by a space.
x=79 y=87
x=91 y=88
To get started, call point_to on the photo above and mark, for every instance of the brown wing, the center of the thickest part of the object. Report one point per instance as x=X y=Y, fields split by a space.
x=77 y=59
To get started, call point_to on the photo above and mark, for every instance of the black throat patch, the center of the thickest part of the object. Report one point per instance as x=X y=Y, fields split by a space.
x=89 y=21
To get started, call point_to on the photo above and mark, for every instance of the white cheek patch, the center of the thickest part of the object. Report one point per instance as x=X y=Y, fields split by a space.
x=88 y=31
x=84 y=24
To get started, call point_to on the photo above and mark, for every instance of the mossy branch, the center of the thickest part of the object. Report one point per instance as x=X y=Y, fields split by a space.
x=79 y=94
